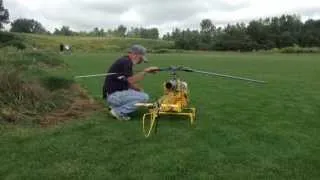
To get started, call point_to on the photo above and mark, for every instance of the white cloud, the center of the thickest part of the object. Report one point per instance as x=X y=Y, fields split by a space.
x=164 y=14
x=130 y=16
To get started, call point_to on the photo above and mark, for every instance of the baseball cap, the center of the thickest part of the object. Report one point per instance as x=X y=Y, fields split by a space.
x=139 y=49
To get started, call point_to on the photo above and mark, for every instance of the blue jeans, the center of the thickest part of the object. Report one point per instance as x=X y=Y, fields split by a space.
x=124 y=101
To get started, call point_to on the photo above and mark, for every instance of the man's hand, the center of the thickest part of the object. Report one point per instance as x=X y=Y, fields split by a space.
x=152 y=69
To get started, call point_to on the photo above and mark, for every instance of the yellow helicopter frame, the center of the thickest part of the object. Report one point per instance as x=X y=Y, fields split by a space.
x=173 y=102
x=154 y=113
x=176 y=98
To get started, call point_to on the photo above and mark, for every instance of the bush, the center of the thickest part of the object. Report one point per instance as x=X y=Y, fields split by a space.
x=54 y=83
x=20 y=97
x=27 y=91
x=6 y=37
x=16 y=43
x=10 y=39
x=298 y=49
x=161 y=51
x=45 y=57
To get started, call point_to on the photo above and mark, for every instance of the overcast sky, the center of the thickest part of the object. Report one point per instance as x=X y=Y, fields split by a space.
x=163 y=14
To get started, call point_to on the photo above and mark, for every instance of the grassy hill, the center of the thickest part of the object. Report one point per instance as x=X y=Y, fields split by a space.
x=90 y=44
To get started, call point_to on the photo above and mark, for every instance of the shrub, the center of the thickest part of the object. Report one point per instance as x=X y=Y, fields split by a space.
x=54 y=83
x=27 y=91
x=20 y=97
x=24 y=99
x=298 y=49
x=16 y=43
x=160 y=51
x=45 y=57
x=10 y=39
x=6 y=37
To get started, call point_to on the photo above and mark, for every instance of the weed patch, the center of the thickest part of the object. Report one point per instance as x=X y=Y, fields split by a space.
x=29 y=94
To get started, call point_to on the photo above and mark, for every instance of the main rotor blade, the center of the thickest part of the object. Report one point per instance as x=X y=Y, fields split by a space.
x=223 y=75
x=94 y=75
x=171 y=68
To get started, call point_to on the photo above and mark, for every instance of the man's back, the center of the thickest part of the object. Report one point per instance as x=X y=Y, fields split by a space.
x=118 y=82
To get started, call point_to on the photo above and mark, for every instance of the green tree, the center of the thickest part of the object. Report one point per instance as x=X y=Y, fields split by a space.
x=121 y=31
x=4 y=15
x=97 y=32
x=27 y=26
x=152 y=33
x=207 y=33
x=188 y=40
x=134 y=32
x=65 y=31
x=310 y=35
x=167 y=37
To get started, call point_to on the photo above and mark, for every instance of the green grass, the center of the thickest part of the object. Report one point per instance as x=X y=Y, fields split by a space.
x=243 y=131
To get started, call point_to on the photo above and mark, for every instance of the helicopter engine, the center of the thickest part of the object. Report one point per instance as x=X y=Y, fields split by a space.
x=172 y=85
x=175 y=95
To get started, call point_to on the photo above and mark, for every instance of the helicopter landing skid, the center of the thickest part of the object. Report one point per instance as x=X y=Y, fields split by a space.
x=154 y=113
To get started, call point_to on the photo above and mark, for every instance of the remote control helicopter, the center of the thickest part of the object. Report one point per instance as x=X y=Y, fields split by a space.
x=175 y=99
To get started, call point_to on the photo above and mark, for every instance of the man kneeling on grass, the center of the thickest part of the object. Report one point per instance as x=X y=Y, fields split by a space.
x=120 y=90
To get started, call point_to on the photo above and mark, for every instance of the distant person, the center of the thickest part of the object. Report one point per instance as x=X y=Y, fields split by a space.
x=61 y=47
x=121 y=91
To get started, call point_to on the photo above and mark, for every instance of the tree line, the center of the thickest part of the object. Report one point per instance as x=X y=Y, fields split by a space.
x=23 y=25
x=120 y=31
x=268 y=33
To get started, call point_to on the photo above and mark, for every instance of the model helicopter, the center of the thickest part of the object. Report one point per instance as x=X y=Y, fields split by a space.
x=175 y=99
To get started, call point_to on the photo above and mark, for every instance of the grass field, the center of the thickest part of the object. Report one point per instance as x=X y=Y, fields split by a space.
x=243 y=131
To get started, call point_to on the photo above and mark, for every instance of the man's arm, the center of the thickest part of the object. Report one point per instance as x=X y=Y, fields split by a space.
x=136 y=78
x=140 y=76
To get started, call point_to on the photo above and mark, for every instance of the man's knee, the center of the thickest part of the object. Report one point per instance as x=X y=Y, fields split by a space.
x=139 y=96
x=147 y=97
x=144 y=97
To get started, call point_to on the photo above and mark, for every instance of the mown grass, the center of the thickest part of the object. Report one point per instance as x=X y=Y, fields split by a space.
x=243 y=131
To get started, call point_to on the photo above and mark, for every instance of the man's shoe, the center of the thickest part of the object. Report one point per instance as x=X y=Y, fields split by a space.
x=119 y=116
